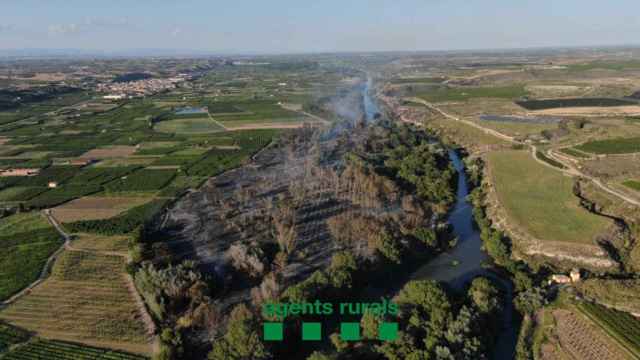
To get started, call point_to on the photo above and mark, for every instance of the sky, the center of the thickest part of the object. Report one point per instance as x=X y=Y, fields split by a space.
x=303 y=26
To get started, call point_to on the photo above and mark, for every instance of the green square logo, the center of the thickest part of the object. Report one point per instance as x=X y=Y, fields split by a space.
x=388 y=331
x=272 y=331
x=350 y=331
x=311 y=331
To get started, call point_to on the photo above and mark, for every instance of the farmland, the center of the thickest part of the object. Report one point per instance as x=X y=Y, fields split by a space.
x=441 y=94
x=85 y=299
x=536 y=202
x=27 y=241
x=573 y=152
x=95 y=208
x=120 y=224
x=189 y=126
x=621 y=326
x=141 y=180
x=576 y=102
x=611 y=146
x=61 y=350
x=10 y=335
x=632 y=184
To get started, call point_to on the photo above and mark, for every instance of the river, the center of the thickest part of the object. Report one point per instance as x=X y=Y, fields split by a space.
x=466 y=260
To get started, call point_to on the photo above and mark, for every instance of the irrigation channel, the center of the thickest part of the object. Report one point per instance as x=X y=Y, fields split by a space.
x=467 y=259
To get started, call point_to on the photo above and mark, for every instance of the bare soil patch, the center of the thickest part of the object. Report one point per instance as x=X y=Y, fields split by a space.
x=95 y=208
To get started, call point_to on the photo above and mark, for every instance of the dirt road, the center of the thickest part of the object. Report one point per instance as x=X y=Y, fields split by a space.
x=570 y=168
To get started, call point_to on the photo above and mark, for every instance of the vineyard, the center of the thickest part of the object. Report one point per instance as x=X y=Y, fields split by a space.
x=142 y=180
x=620 y=325
x=42 y=349
x=99 y=176
x=27 y=241
x=10 y=335
x=579 y=339
x=121 y=224
x=85 y=299
x=61 y=195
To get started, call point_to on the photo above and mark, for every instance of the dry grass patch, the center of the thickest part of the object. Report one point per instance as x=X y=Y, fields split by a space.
x=86 y=299
x=96 y=208
x=592 y=111
x=96 y=242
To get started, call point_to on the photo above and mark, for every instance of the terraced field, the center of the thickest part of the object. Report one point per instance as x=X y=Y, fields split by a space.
x=86 y=299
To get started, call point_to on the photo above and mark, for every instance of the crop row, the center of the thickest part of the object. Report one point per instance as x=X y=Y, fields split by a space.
x=620 y=325
x=23 y=257
x=99 y=176
x=121 y=224
x=61 y=195
x=58 y=350
x=10 y=335
x=142 y=180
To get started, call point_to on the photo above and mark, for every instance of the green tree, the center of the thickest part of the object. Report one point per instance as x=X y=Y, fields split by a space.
x=530 y=300
x=242 y=340
x=484 y=295
x=389 y=247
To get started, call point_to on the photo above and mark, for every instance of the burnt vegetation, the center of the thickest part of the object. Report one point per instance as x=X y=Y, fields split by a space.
x=304 y=220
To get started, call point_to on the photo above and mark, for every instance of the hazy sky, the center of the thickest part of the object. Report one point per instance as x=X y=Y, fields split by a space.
x=316 y=26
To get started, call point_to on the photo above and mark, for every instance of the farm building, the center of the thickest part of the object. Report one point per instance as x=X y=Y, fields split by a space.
x=52 y=184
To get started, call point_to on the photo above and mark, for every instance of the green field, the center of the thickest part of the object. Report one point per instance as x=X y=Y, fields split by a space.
x=606 y=65
x=611 y=146
x=27 y=240
x=540 y=200
x=441 y=94
x=632 y=184
x=141 y=180
x=188 y=126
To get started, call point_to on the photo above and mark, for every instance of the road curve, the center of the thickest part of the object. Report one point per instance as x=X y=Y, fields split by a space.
x=570 y=169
